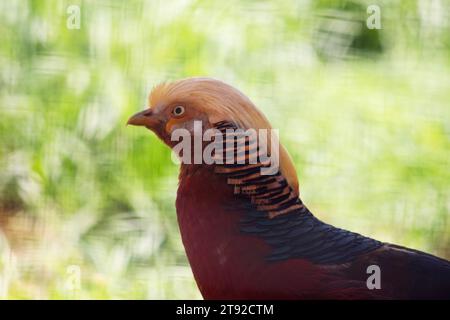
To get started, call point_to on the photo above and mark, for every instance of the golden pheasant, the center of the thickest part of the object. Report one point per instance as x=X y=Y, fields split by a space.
x=247 y=234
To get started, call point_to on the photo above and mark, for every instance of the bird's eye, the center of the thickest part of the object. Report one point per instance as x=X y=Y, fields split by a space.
x=178 y=111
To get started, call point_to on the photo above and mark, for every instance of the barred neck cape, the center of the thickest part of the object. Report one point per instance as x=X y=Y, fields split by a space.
x=275 y=213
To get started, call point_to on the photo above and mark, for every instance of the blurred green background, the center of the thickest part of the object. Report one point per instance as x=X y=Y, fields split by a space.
x=87 y=204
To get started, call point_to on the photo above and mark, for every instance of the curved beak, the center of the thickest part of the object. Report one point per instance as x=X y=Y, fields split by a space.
x=145 y=118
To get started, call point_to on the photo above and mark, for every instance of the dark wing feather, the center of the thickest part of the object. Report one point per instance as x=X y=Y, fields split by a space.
x=404 y=273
